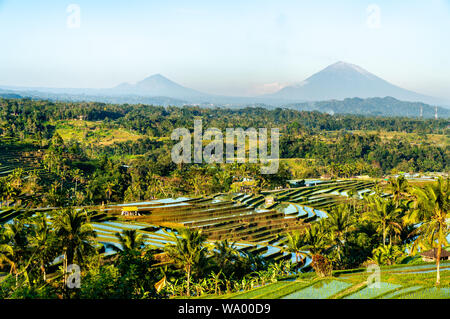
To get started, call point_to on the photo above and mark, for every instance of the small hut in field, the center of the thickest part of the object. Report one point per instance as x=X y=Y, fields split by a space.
x=130 y=211
x=431 y=255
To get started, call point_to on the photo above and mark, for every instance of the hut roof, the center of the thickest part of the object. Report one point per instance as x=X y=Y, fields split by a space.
x=432 y=253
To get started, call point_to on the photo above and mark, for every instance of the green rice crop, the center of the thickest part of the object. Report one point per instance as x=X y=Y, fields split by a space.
x=320 y=290
x=372 y=292
x=428 y=293
x=401 y=291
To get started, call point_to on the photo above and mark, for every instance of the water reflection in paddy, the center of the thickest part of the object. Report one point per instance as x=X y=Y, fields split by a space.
x=152 y=237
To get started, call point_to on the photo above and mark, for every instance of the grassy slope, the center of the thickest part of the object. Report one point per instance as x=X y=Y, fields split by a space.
x=88 y=132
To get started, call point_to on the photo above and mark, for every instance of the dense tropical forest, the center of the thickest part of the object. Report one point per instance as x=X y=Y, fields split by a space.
x=88 y=146
x=66 y=170
x=374 y=106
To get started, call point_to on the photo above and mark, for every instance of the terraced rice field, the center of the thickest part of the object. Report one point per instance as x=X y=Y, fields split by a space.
x=269 y=291
x=320 y=290
x=15 y=154
x=397 y=292
x=27 y=156
x=428 y=293
x=354 y=286
x=240 y=218
x=326 y=289
x=373 y=291
x=244 y=219
x=259 y=292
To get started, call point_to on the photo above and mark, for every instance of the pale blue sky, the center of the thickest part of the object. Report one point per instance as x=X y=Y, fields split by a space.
x=227 y=47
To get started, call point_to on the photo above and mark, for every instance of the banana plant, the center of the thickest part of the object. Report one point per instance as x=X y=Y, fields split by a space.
x=215 y=279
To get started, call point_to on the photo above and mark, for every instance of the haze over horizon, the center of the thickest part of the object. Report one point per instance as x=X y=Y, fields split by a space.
x=233 y=48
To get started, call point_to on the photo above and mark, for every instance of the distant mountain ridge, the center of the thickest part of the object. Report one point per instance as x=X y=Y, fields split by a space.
x=339 y=88
x=344 y=80
x=157 y=85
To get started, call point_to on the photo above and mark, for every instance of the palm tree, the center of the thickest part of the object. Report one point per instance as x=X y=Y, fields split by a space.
x=197 y=181
x=31 y=186
x=41 y=242
x=316 y=244
x=7 y=253
x=14 y=247
x=339 y=223
x=225 y=255
x=16 y=178
x=385 y=214
x=353 y=195
x=16 y=236
x=386 y=254
x=294 y=244
x=11 y=191
x=77 y=176
x=315 y=238
x=188 y=251
x=431 y=206
x=222 y=180
x=63 y=174
x=130 y=239
x=399 y=187
x=76 y=235
x=109 y=189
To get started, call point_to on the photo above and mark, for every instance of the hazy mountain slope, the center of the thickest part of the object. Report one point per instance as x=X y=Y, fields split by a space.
x=157 y=85
x=340 y=81
x=343 y=80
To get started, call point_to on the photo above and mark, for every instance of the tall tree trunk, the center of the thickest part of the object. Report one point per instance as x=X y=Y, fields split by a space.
x=44 y=272
x=188 y=273
x=65 y=269
x=438 y=263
